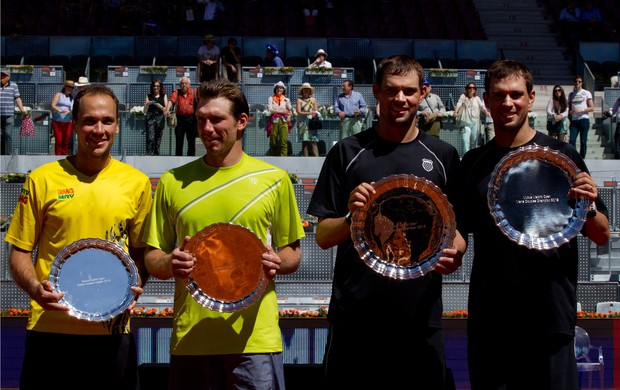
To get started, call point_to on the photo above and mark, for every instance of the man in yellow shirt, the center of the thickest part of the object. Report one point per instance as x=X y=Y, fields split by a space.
x=89 y=195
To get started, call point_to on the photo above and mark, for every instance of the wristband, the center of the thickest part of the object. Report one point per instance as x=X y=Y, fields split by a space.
x=348 y=218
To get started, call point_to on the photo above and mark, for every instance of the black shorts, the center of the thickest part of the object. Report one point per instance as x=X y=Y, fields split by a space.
x=66 y=361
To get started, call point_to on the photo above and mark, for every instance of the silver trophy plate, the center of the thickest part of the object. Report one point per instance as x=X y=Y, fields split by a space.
x=528 y=198
x=96 y=277
x=229 y=275
x=401 y=232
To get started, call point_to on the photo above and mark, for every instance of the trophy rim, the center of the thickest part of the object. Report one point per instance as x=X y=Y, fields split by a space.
x=253 y=242
x=567 y=167
x=437 y=200
x=125 y=261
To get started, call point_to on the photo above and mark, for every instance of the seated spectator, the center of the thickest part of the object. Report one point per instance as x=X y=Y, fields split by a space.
x=311 y=11
x=231 y=60
x=208 y=56
x=570 y=20
x=592 y=22
x=210 y=20
x=320 y=61
x=272 y=57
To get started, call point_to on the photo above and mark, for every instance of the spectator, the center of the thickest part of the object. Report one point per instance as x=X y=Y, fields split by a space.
x=311 y=12
x=432 y=109
x=185 y=101
x=210 y=349
x=208 y=59
x=395 y=145
x=73 y=144
x=557 y=111
x=210 y=22
x=231 y=59
x=503 y=346
x=307 y=108
x=109 y=200
x=467 y=111
x=272 y=57
x=351 y=109
x=580 y=105
x=9 y=98
x=489 y=129
x=615 y=112
x=592 y=22
x=570 y=23
x=279 y=124
x=321 y=60
x=61 y=106
x=156 y=108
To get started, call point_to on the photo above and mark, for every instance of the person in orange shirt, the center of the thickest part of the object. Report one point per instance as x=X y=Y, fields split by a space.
x=184 y=99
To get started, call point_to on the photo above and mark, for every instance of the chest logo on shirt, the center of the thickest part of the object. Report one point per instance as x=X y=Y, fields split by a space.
x=427 y=164
x=65 y=193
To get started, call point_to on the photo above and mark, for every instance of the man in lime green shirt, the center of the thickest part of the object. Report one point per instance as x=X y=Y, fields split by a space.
x=211 y=349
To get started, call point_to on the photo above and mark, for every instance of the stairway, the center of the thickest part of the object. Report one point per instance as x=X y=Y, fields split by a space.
x=523 y=32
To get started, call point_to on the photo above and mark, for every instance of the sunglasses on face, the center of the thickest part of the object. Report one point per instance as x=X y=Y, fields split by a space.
x=578 y=81
x=470 y=87
x=557 y=90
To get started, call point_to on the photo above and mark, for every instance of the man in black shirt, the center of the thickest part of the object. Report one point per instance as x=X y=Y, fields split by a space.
x=372 y=316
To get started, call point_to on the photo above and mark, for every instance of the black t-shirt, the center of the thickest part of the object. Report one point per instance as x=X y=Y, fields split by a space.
x=229 y=57
x=359 y=293
x=512 y=286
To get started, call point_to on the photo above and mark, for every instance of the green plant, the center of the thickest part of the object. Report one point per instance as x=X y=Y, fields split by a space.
x=154 y=69
x=20 y=68
x=320 y=69
x=273 y=70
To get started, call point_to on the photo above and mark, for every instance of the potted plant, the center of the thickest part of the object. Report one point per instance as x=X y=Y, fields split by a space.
x=287 y=70
x=436 y=72
x=153 y=69
x=20 y=68
x=319 y=71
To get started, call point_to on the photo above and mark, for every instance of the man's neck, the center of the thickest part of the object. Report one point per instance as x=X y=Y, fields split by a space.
x=89 y=166
x=510 y=139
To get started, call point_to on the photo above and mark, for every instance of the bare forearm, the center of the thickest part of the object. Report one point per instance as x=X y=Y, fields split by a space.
x=332 y=231
x=22 y=270
x=291 y=258
x=158 y=263
x=597 y=229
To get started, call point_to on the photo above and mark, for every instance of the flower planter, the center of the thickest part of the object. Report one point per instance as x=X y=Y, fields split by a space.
x=153 y=70
x=270 y=71
x=318 y=72
x=20 y=69
x=449 y=73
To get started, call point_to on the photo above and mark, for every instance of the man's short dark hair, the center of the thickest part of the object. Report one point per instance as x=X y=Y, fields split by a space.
x=502 y=69
x=398 y=65
x=225 y=89
x=93 y=89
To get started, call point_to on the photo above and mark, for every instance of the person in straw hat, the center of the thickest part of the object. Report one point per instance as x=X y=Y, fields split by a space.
x=321 y=60
x=208 y=59
x=307 y=109
x=279 y=124
x=62 y=104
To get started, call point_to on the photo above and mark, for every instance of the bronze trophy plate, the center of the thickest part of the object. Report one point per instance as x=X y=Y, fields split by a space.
x=528 y=198
x=402 y=230
x=229 y=272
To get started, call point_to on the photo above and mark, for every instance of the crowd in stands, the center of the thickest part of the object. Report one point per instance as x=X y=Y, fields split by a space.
x=312 y=18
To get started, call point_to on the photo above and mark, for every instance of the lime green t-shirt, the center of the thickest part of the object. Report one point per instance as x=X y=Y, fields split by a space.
x=58 y=205
x=251 y=193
